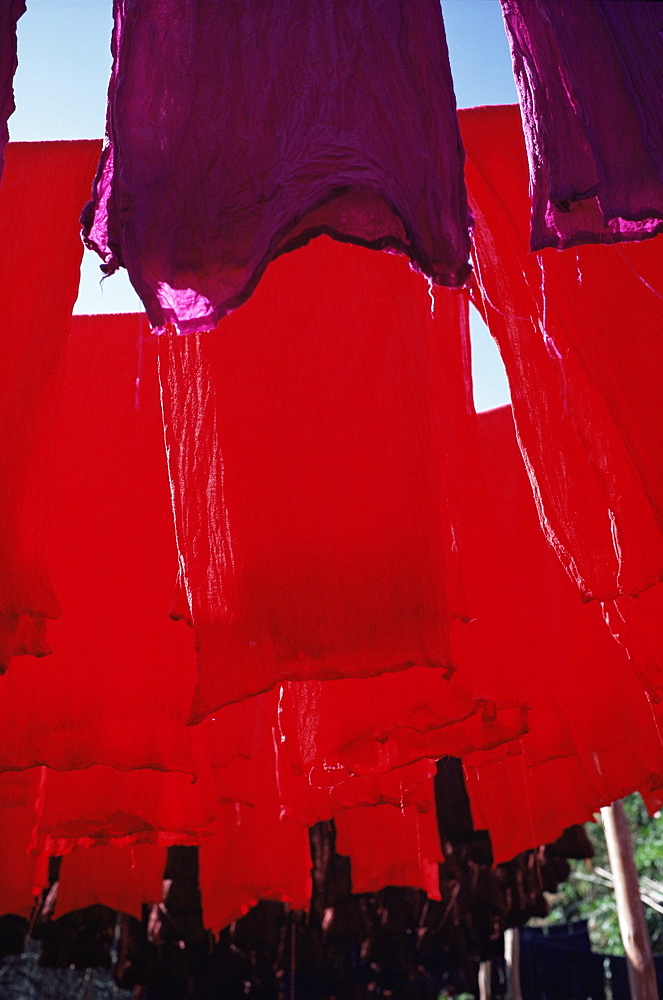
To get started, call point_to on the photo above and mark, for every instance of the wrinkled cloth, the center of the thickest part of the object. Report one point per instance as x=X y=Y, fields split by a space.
x=117 y=687
x=391 y=846
x=579 y=334
x=10 y=11
x=238 y=132
x=35 y=317
x=587 y=691
x=123 y=878
x=23 y=876
x=589 y=75
x=314 y=448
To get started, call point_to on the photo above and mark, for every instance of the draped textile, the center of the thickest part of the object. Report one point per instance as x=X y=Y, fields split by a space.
x=35 y=314
x=314 y=444
x=590 y=76
x=584 y=689
x=10 y=12
x=23 y=876
x=205 y=178
x=117 y=687
x=389 y=846
x=122 y=878
x=579 y=337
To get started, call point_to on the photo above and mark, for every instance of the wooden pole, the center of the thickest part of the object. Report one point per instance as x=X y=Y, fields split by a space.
x=639 y=962
x=512 y=962
x=485 y=980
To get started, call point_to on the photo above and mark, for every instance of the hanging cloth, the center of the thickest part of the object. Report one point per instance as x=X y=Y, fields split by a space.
x=122 y=878
x=23 y=876
x=35 y=316
x=589 y=78
x=117 y=686
x=579 y=335
x=238 y=132
x=10 y=12
x=313 y=450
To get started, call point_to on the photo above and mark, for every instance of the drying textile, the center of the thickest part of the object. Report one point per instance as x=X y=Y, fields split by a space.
x=314 y=444
x=584 y=689
x=35 y=314
x=122 y=878
x=237 y=132
x=10 y=11
x=23 y=876
x=589 y=78
x=116 y=689
x=391 y=846
x=579 y=334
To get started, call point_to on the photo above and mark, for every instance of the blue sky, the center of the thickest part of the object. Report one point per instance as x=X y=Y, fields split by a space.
x=60 y=87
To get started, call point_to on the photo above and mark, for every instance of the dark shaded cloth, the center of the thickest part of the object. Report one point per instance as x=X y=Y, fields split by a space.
x=556 y=963
x=10 y=11
x=239 y=131
x=589 y=75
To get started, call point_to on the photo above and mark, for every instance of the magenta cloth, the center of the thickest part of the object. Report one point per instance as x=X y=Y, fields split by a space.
x=239 y=131
x=590 y=80
x=10 y=11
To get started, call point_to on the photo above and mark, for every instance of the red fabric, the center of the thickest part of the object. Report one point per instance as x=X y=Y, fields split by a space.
x=20 y=880
x=36 y=315
x=122 y=878
x=10 y=12
x=101 y=806
x=579 y=335
x=311 y=442
x=389 y=846
x=585 y=691
x=117 y=687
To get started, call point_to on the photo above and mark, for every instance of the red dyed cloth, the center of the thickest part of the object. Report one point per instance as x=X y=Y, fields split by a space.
x=122 y=878
x=586 y=692
x=315 y=442
x=10 y=11
x=23 y=876
x=389 y=846
x=590 y=77
x=35 y=326
x=579 y=336
x=116 y=689
x=238 y=132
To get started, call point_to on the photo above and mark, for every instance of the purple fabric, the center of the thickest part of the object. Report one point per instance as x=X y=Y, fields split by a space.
x=239 y=130
x=10 y=11
x=590 y=80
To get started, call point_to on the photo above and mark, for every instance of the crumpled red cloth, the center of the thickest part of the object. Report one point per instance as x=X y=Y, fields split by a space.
x=10 y=11
x=315 y=442
x=579 y=334
x=123 y=878
x=236 y=132
x=36 y=316
x=588 y=687
x=590 y=76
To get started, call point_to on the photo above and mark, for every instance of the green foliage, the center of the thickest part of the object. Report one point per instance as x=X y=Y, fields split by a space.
x=581 y=899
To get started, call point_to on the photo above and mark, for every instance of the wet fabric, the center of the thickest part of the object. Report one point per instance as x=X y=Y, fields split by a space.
x=391 y=846
x=10 y=12
x=579 y=336
x=589 y=78
x=122 y=878
x=314 y=445
x=117 y=687
x=35 y=324
x=585 y=691
x=205 y=179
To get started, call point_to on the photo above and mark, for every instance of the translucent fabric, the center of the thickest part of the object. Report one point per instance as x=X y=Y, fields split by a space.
x=586 y=692
x=390 y=846
x=116 y=689
x=10 y=11
x=35 y=325
x=314 y=445
x=589 y=76
x=205 y=179
x=122 y=878
x=579 y=336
